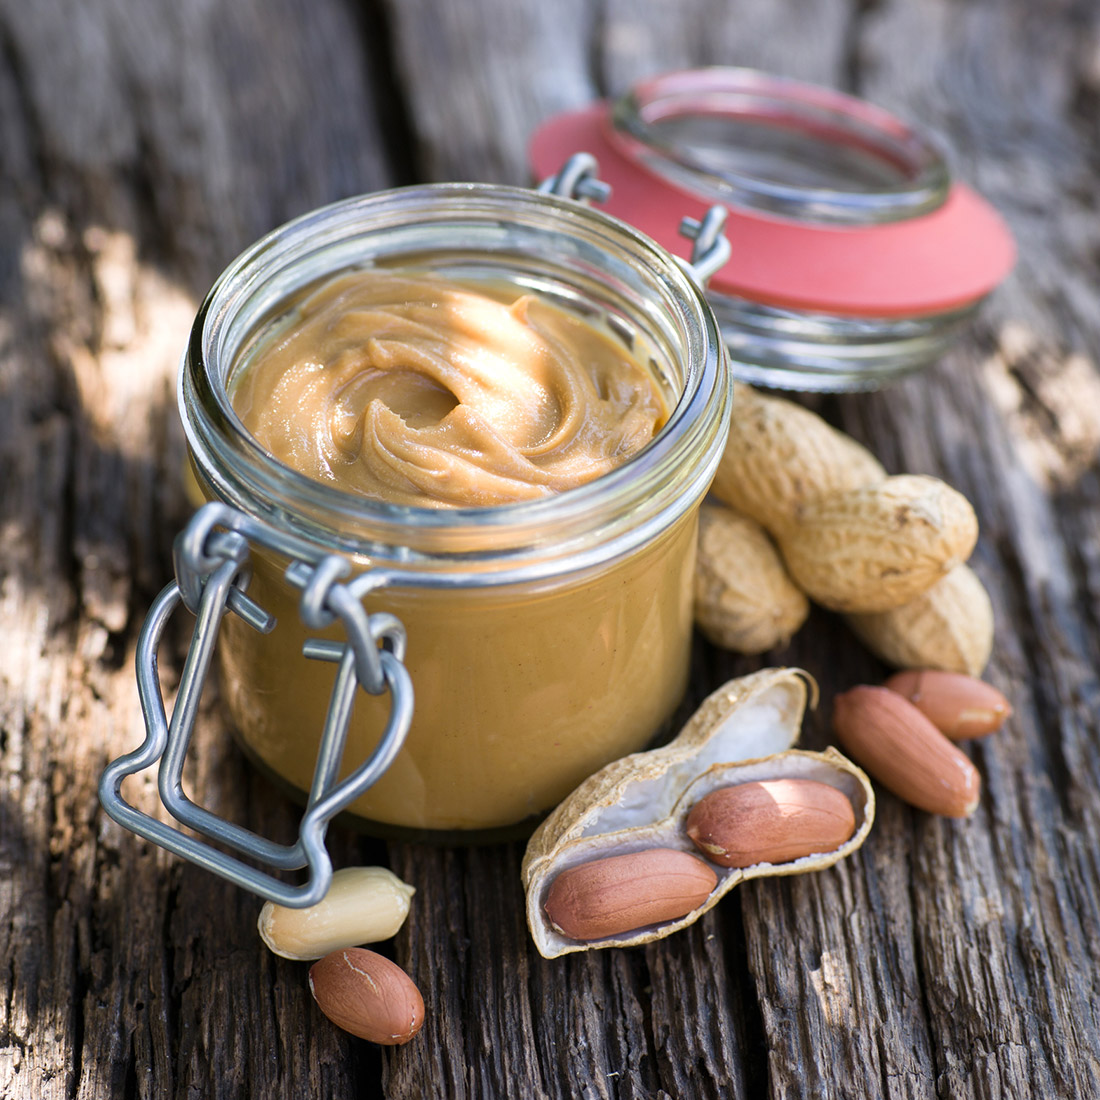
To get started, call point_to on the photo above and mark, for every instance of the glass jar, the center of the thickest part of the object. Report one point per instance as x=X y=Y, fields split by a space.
x=545 y=638
x=855 y=258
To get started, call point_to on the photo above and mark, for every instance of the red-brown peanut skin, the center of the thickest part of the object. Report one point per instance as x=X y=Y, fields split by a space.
x=617 y=894
x=901 y=748
x=959 y=706
x=770 y=821
x=368 y=995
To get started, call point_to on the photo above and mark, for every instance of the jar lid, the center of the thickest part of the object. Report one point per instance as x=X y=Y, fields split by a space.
x=836 y=206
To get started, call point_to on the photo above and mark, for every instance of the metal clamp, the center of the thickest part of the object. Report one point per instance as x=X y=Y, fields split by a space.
x=211 y=577
x=711 y=249
x=578 y=179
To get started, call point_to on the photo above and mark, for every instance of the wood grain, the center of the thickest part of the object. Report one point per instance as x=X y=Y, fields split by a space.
x=144 y=145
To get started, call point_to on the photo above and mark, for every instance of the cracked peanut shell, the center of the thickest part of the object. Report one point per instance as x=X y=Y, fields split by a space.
x=741 y=733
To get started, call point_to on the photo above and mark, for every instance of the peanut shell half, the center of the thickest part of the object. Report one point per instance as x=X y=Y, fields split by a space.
x=741 y=733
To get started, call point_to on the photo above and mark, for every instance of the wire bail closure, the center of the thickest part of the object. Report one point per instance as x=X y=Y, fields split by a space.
x=577 y=179
x=212 y=575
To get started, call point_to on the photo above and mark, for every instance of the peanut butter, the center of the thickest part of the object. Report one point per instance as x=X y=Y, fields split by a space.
x=521 y=692
x=418 y=391
x=425 y=392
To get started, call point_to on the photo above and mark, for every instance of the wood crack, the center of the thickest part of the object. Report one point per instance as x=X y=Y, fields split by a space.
x=929 y=1015
x=851 y=64
x=376 y=36
x=595 y=55
x=31 y=132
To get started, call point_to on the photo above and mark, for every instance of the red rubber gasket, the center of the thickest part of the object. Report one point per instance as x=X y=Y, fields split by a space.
x=935 y=263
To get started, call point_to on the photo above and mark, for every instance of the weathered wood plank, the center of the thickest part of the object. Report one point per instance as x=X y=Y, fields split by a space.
x=999 y=921
x=144 y=145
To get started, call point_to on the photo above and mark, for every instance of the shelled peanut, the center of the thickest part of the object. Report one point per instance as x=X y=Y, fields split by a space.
x=360 y=991
x=901 y=748
x=363 y=905
x=616 y=894
x=770 y=821
x=959 y=706
x=886 y=551
x=367 y=995
x=903 y=734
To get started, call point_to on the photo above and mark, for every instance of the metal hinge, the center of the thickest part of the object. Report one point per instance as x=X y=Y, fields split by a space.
x=578 y=178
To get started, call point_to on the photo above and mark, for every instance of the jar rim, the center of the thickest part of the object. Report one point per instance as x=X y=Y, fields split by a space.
x=242 y=472
x=890 y=171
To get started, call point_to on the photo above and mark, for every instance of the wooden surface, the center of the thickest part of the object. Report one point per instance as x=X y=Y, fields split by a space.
x=143 y=145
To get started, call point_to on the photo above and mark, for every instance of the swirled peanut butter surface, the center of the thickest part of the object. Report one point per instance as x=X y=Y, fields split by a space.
x=412 y=389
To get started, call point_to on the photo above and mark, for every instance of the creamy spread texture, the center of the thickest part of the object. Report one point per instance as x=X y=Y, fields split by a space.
x=416 y=390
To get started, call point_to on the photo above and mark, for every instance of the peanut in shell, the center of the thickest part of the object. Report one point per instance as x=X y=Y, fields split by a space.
x=770 y=821
x=741 y=733
x=949 y=627
x=877 y=548
x=779 y=456
x=744 y=599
